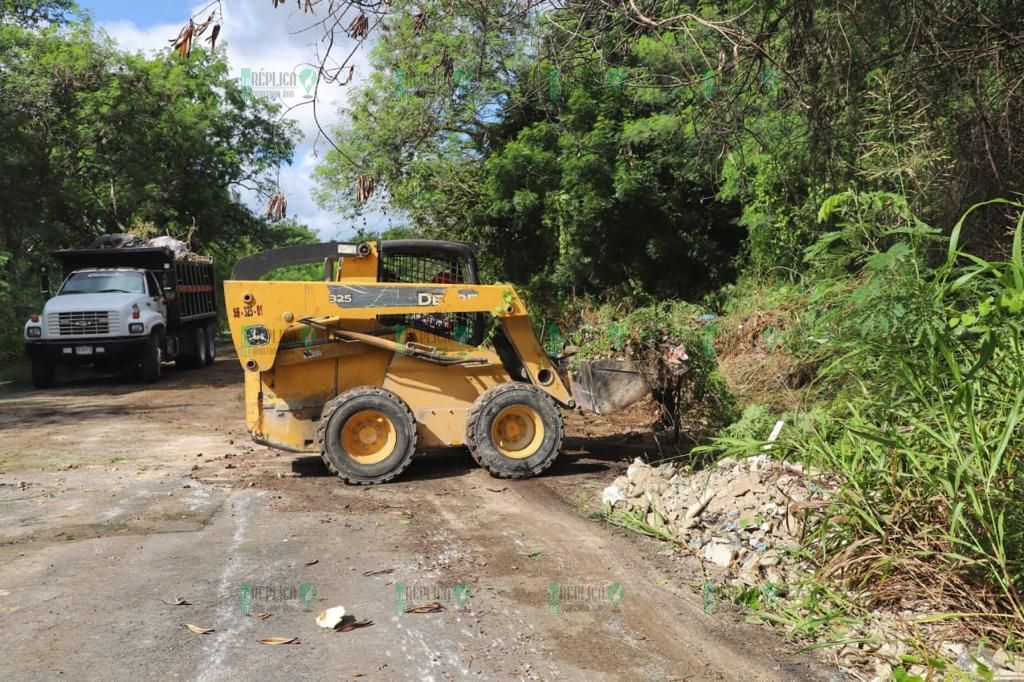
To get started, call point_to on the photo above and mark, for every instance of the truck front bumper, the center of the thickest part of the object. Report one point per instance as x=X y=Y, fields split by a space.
x=110 y=351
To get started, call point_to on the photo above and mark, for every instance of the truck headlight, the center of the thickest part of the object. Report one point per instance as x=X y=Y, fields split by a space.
x=34 y=332
x=136 y=328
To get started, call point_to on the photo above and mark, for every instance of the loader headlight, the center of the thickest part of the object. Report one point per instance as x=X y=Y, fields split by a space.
x=34 y=332
x=136 y=328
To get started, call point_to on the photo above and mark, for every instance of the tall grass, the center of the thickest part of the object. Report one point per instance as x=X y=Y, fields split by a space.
x=922 y=358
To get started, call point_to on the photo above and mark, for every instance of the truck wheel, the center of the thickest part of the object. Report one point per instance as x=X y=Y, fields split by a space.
x=211 y=343
x=197 y=357
x=514 y=430
x=42 y=373
x=152 y=361
x=367 y=435
x=200 y=358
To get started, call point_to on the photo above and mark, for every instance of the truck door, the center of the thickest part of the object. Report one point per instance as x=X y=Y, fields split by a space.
x=156 y=295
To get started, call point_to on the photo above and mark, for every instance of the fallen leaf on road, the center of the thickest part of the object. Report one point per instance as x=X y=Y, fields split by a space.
x=279 y=640
x=198 y=630
x=262 y=615
x=498 y=490
x=177 y=602
x=433 y=607
x=348 y=627
x=383 y=571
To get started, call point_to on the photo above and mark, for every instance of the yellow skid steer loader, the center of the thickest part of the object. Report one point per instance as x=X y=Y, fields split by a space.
x=401 y=348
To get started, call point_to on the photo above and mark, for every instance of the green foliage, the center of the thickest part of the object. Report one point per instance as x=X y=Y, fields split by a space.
x=925 y=369
x=97 y=141
x=566 y=183
x=695 y=394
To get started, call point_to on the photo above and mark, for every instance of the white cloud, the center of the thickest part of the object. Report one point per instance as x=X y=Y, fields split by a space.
x=272 y=41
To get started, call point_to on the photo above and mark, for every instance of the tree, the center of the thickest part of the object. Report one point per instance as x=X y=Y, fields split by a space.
x=94 y=141
x=569 y=183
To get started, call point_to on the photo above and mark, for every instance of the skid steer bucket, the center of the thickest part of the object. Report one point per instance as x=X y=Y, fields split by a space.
x=607 y=386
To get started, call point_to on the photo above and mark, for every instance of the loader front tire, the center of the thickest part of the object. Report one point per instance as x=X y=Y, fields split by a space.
x=367 y=435
x=514 y=430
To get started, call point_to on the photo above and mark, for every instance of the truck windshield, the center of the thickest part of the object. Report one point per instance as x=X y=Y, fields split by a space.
x=104 y=282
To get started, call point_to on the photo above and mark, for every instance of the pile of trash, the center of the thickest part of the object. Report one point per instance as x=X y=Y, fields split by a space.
x=744 y=516
x=127 y=241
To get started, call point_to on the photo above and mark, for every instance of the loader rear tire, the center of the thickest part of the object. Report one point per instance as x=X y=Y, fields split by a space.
x=367 y=435
x=514 y=430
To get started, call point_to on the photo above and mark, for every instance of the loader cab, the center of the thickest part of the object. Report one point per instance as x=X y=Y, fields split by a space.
x=405 y=261
x=415 y=261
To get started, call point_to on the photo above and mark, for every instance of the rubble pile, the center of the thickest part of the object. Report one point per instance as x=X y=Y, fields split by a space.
x=743 y=516
x=747 y=517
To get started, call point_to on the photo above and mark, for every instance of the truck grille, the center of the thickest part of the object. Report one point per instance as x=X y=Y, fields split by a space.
x=85 y=323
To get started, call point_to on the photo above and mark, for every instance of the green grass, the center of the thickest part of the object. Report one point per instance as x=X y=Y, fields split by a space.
x=921 y=376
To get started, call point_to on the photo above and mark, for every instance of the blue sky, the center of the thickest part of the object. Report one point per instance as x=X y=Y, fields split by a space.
x=259 y=37
x=140 y=13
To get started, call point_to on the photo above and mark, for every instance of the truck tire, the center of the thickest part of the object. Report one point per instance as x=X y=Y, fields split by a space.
x=197 y=356
x=42 y=373
x=153 y=361
x=201 y=349
x=514 y=430
x=211 y=343
x=367 y=435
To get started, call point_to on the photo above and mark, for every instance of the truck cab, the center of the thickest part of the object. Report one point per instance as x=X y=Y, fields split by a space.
x=111 y=315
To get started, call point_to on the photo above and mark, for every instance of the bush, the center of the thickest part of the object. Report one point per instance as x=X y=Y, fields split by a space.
x=925 y=366
x=697 y=401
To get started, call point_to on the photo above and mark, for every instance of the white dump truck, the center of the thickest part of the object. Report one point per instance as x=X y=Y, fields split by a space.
x=125 y=308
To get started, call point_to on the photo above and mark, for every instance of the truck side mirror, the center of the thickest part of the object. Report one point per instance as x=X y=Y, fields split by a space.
x=44 y=284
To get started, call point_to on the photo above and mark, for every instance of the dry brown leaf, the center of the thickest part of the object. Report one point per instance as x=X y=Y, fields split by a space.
x=262 y=615
x=433 y=607
x=213 y=36
x=348 y=627
x=279 y=640
x=359 y=27
x=364 y=188
x=198 y=630
x=383 y=571
x=419 y=22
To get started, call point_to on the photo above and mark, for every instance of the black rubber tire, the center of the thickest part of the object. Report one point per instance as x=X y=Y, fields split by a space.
x=338 y=410
x=211 y=343
x=42 y=373
x=197 y=357
x=152 y=364
x=482 y=415
x=200 y=343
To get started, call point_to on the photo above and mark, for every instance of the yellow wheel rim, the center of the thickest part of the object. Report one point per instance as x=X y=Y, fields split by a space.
x=518 y=431
x=369 y=437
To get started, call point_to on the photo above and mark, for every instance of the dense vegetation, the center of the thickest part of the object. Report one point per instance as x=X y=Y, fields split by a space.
x=95 y=141
x=846 y=172
x=809 y=162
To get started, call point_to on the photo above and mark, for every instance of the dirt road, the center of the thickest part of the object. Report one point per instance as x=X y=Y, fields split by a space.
x=118 y=500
